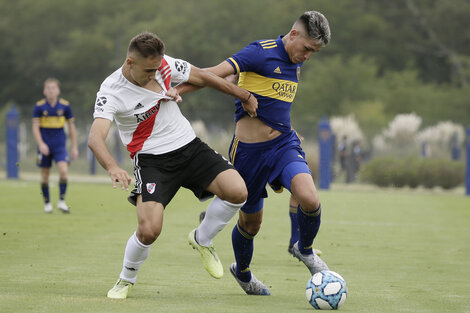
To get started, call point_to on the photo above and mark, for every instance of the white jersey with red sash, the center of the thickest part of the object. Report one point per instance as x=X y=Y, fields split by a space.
x=148 y=122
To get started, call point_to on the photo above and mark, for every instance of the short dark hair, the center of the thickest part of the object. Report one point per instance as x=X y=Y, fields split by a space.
x=147 y=44
x=316 y=25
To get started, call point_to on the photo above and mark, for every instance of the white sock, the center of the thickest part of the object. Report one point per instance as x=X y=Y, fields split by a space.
x=218 y=214
x=135 y=254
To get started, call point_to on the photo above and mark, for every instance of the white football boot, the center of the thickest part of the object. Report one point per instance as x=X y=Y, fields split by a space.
x=61 y=205
x=312 y=261
x=48 y=208
x=253 y=287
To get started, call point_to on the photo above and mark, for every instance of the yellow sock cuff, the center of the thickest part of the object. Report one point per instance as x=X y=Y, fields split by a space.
x=311 y=214
x=244 y=233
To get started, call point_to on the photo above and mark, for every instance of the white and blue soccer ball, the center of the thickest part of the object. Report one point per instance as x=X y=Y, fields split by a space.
x=326 y=290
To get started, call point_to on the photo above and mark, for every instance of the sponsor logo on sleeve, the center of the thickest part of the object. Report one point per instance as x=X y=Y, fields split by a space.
x=100 y=101
x=181 y=67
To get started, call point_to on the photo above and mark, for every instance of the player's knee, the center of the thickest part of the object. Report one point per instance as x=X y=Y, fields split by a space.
x=148 y=234
x=251 y=226
x=237 y=193
x=311 y=203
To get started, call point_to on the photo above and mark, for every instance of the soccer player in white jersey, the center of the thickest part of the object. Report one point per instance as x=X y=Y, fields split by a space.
x=165 y=151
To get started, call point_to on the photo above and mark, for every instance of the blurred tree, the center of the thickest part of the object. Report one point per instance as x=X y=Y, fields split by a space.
x=402 y=55
x=333 y=87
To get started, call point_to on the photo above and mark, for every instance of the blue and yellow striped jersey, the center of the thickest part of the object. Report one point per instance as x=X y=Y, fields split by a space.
x=266 y=71
x=52 y=118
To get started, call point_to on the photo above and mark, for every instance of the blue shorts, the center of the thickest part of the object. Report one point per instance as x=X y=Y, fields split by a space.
x=275 y=162
x=57 y=153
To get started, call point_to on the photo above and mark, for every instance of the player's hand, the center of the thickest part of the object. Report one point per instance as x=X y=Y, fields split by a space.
x=44 y=149
x=118 y=175
x=173 y=93
x=74 y=153
x=250 y=105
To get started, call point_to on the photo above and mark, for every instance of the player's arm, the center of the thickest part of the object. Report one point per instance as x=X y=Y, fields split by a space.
x=210 y=78
x=223 y=70
x=73 y=138
x=43 y=147
x=97 y=143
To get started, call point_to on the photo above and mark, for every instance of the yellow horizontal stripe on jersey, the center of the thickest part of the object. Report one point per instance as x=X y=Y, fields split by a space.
x=269 y=47
x=268 y=44
x=279 y=89
x=52 y=121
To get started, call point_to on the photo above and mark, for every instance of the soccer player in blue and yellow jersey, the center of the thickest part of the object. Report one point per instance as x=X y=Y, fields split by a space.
x=49 y=117
x=265 y=149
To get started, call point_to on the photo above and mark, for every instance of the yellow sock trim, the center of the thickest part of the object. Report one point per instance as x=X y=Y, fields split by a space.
x=244 y=233
x=311 y=214
x=292 y=209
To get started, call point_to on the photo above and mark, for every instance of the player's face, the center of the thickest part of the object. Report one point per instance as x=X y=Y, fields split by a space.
x=51 y=90
x=142 y=70
x=301 y=48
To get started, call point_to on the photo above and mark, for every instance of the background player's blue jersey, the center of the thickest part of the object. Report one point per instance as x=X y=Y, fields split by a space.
x=266 y=71
x=52 y=120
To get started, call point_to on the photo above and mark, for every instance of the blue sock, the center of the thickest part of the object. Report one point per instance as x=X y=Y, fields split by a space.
x=294 y=225
x=309 y=224
x=45 y=192
x=242 y=243
x=62 y=188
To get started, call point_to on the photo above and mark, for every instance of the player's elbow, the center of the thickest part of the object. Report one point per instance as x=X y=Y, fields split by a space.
x=93 y=141
x=202 y=77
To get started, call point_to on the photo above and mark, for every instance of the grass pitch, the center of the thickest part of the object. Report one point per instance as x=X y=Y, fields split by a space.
x=398 y=252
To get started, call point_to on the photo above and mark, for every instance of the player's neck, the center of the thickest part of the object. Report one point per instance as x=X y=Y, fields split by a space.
x=284 y=39
x=126 y=74
x=52 y=101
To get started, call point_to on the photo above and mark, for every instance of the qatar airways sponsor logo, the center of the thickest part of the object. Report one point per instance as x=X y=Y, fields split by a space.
x=285 y=90
x=144 y=116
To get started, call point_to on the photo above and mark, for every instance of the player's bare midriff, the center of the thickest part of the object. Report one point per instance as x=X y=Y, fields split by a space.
x=252 y=130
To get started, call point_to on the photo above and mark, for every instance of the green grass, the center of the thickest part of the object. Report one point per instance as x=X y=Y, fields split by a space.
x=398 y=251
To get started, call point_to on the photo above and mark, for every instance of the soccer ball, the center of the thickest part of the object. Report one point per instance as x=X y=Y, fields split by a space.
x=326 y=290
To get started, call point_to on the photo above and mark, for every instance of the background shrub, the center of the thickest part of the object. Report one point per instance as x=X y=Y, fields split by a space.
x=413 y=171
x=378 y=171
